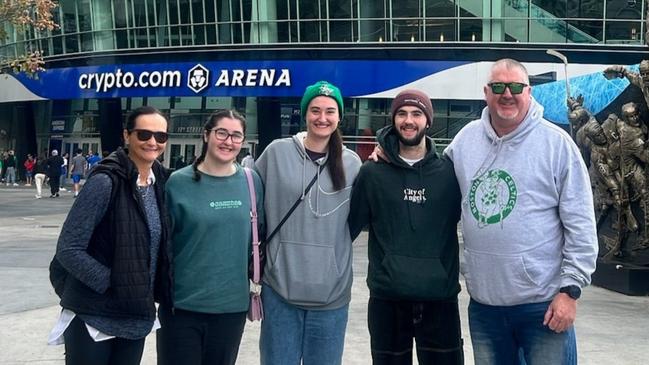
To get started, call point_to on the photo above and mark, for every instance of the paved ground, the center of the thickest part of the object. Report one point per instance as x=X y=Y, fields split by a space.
x=611 y=329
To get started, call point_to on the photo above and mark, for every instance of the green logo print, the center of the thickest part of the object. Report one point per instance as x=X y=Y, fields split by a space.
x=492 y=197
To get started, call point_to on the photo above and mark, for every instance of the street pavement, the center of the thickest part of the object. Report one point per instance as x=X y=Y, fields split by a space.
x=612 y=328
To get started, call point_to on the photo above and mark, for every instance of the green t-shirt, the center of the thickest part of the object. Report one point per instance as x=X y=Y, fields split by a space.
x=211 y=239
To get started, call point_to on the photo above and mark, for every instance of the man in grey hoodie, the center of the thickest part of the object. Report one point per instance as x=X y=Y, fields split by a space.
x=528 y=224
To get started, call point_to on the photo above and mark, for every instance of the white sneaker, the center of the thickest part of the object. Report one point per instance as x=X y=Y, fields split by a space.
x=37 y=196
x=62 y=189
x=15 y=184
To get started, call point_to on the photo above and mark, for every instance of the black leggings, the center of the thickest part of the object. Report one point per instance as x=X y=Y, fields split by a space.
x=193 y=338
x=81 y=349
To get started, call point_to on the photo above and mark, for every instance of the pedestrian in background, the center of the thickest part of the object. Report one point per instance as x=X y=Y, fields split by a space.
x=40 y=174
x=10 y=164
x=29 y=169
x=308 y=274
x=54 y=168
x=64 y=171
x=78 y=170
x=112 y=249
x=209 y=204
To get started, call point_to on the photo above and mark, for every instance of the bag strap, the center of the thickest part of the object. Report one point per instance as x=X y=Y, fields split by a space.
x=297 y=202
x=253 y=222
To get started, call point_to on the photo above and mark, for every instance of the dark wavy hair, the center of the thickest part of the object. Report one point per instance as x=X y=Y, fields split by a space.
x=211 y=122
x=137 y=112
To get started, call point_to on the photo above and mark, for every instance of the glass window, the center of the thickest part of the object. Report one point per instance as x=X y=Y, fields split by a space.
x=440 y=30
x=556 y=8
x=120 y=19
x=439 y=8
x=188 y=103
x=85 y=25
x=623 y=9
x=214 y=103
x=341 y=9
x=160 y=102
x=373 y=9
x=585 y=31
x=623 y=32
x=342 y=30
x=69 y=25
x=586 y=9
x=373 y=30
x=470 y=30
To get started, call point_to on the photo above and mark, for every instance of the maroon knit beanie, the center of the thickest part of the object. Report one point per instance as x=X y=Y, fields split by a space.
x=416 y=98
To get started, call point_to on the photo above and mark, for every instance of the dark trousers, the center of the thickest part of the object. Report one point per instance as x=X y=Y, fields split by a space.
x=81 y=349
x=193 y=338
x=434 y=325
x=54 y=184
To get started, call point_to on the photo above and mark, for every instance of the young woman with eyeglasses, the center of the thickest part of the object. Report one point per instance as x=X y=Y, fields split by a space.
x=112 y=250
x=209 y=206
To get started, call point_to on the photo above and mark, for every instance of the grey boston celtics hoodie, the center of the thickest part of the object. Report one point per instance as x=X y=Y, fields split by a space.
x=309 y=262
x=527 y=211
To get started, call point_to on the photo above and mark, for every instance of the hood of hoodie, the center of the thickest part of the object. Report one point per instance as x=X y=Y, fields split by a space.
x=532 y=119
x=389 y=142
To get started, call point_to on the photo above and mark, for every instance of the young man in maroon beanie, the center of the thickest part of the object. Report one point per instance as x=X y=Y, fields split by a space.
x=412 y=206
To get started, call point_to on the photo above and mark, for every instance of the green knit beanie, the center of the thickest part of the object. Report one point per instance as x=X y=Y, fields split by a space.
x=321 y=88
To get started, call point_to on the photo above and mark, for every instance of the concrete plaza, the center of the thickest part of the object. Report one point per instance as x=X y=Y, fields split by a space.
x=611 y=328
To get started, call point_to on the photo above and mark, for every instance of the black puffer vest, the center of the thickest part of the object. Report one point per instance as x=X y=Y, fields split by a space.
x=121 y=241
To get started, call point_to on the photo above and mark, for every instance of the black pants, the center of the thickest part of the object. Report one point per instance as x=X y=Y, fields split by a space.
x=81 y=349
x=54 y=184
x=435 y=326
x=192 y=338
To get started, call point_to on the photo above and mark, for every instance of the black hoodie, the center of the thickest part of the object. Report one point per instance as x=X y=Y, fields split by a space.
x=412 y=212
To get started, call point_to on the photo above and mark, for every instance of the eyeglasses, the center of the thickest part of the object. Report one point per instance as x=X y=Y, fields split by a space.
x=145 y=135
x=222 y=134
x=514 y=87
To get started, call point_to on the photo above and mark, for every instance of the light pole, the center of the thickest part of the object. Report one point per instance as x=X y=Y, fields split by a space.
x=563 y=59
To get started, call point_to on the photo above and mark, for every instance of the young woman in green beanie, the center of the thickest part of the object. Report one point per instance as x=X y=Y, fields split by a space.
x=308 y=274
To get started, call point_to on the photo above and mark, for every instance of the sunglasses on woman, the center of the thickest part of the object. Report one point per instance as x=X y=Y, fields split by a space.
x=145 y=135
x=514 y=87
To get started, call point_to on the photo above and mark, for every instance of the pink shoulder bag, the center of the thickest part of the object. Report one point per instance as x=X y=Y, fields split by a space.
x=256 y=310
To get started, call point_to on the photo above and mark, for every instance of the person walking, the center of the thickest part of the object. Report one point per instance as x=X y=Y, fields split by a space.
x=412 y=206
x=40 y=174
x=64 y=171
x=308 y=274
x=78 y=170
x=528 y=225
x=210 y=210
x=112 y=251
x=54 y=167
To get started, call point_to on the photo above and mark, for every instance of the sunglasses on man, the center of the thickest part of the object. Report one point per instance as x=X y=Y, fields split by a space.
x=514 y=87
x=145 y=135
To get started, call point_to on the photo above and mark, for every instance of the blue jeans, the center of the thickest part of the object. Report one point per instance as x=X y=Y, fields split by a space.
x=570 y=350
x=498 y=332
x=293 y=336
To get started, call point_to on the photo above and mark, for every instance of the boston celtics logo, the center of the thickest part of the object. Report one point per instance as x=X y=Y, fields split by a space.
x=492 y=197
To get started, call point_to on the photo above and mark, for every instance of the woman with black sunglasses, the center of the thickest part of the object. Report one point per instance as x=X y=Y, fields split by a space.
x=112 y=250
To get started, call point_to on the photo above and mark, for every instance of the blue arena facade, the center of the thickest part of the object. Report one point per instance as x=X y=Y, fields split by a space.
x=191 y=57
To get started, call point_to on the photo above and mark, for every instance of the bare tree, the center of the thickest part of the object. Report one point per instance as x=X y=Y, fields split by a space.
x=25 y=15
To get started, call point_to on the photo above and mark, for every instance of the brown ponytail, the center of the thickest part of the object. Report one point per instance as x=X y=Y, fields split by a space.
x=335 y=161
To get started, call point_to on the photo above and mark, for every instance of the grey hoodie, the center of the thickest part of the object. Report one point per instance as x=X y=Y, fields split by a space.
x=527 y=210
x=309 y=262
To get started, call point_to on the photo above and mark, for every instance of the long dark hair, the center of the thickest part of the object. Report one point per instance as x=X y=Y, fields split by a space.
x=211 y=122
x=335 y=160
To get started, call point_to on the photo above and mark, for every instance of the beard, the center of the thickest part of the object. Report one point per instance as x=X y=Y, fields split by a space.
x=414 y=141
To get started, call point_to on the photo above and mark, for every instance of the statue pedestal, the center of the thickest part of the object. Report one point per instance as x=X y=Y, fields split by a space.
x=622 y=278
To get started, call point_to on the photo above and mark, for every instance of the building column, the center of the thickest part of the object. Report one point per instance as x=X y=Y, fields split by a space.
x=269 y=126
x=110 y=124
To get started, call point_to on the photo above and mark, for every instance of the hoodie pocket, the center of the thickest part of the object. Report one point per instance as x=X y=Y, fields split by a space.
x=415 y=277
x=306 y=273
x=499 y=279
